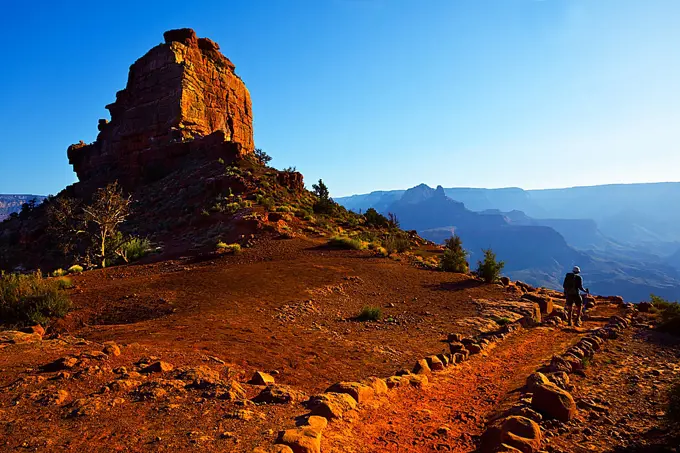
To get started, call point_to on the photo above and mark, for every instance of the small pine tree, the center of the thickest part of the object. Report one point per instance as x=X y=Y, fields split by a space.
x=455 y=257
x=374 y=218
x=262 y=156
x=324 y=204
x=489 y=269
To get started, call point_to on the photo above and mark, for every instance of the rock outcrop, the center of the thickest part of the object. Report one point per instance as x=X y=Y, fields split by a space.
x=182 y=99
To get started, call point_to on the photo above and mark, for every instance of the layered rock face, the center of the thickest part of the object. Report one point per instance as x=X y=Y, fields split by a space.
x=182 y=99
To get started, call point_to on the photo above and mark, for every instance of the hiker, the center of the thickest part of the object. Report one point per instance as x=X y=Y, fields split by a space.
x=573 y=283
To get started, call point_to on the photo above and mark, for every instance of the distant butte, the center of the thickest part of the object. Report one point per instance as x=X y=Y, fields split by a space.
x=182 y=100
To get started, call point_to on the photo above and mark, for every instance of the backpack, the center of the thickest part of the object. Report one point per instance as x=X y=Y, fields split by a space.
x=569 y=283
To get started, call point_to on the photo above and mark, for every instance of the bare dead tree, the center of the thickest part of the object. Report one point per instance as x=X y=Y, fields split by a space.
x=109 y=208
x=66 y=223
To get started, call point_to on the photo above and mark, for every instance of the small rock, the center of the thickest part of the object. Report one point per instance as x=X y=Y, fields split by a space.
x=63 y=363
x=111 y=349
x=158 y=367
x=454 y=338
x=279 y=394
x=434 y=363
x=422 y=367
x=260 y=378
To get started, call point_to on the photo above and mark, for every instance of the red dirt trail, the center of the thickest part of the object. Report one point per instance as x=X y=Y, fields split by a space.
x=459 y=400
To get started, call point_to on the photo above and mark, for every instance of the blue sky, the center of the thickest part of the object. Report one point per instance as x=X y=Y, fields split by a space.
x=374 y=94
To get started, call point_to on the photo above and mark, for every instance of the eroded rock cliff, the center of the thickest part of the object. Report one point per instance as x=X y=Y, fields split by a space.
x=182 y=99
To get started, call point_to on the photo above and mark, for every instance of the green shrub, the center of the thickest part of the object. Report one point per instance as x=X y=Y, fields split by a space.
x=370 y=314
x=283 y=209
x=64 y=283
x=229 y=248
x=455 y=257
x=75 y=269
x=397 y=241
x=58 y=273
x=31 y=299
x=669 y=312
x=344 y=242
x=374 y=218
x=489 y=269
x=134 y=249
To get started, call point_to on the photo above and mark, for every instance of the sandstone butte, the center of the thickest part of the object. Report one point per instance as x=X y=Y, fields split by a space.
x=182 y=100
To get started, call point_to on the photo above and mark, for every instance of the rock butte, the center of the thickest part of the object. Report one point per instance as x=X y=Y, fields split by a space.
x=182 y=100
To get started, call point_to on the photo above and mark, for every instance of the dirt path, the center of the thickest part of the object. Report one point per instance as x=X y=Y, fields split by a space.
x=628 y=381
x=450 y=413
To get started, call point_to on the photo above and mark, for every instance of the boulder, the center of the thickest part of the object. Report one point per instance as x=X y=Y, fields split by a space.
x=521 y=433
x=331 y=405
x=553 y=402
x=559 y=364
x=422 y=367
x=260 y=378
x=306 y=438
x=360 y=392
x=418 y=380
x=396 y=381
x=474 y=348
x=536 y=379
x=378 y=385
x=434 y=363
x=454 y=337
x=456 y=347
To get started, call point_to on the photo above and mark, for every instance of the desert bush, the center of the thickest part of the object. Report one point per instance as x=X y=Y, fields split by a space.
x=370 y=314
x=382 y=251
x=229 y=248
x=344 y=242
x=489 y=269
x=58 y=272
x=669 y=312
x=266 y=202
x=455 y=257
x=134 y=249
x=393 y=221
x=374 y=218
x=397 y=241
x=283 y=209
x=64 y=283
x=31 y=299
x=75 y=269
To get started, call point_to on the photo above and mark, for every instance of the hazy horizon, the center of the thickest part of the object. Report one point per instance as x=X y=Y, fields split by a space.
x=372 y=94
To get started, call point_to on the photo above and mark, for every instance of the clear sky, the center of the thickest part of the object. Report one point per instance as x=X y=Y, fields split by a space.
x=373 y=94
